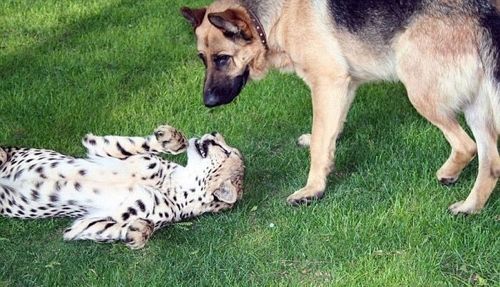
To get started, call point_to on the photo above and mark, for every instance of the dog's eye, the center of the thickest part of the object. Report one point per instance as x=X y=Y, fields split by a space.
x=202 y=57
x=221 y=60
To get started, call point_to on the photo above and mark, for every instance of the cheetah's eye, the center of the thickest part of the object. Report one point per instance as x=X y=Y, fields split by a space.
x=223 y=149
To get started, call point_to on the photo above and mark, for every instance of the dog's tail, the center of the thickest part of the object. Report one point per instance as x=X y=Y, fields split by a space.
x=490 y=54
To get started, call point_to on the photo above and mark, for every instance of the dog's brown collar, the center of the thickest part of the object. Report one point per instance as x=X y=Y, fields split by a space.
x=259 y=28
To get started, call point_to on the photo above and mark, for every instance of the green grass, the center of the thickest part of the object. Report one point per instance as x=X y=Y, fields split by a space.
x=122 y=67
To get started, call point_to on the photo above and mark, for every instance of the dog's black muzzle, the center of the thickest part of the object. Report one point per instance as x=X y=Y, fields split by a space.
x=222 y=91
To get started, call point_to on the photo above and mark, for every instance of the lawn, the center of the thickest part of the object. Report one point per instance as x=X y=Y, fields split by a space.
x=70 y=67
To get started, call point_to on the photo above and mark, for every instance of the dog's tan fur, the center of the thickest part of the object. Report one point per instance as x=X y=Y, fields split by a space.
x=440 y=66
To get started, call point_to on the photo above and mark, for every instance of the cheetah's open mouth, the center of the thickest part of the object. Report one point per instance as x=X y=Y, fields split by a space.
x=201 y=148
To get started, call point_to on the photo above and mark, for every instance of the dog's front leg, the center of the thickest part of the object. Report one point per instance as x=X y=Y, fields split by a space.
x=331 y=99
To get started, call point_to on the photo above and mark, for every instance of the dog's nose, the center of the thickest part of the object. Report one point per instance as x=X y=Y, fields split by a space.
x=211 y=99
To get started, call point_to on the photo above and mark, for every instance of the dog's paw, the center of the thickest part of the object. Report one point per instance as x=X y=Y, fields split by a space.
x=138 y=233
x=170 y=140
x=463 y=207
x=447 y=180
x=305 y=195
x=448 y=174
x=304 y=140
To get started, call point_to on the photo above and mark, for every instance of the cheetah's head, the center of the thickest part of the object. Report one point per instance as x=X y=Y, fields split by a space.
x=222 y=167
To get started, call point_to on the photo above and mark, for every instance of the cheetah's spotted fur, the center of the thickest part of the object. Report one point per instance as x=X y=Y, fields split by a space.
x=123 y=190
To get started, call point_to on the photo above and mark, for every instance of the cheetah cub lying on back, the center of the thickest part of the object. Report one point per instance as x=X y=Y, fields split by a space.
x=123 y=190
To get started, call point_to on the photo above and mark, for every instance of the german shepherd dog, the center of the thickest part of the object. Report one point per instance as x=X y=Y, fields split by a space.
x=445 y=52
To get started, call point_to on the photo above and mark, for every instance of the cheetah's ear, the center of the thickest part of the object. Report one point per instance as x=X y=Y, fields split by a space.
x=227 y=192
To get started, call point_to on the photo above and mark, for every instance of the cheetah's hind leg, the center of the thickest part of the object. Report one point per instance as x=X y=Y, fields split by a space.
x=96 y=229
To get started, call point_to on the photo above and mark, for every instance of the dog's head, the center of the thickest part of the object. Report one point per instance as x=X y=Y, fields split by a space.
x=229 y=45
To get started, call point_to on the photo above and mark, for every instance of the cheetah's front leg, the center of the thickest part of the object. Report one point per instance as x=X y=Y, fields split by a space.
x=165 y=139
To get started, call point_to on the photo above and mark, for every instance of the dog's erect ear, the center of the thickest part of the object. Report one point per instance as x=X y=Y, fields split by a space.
x=232 y=23
x=227 y=193
x=194 y=16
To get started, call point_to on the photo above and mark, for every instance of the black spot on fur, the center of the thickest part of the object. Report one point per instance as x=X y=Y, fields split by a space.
x=108 y=225
x=125 y=216
x=132 y=211
x=141 y=205
x=53 y=198
x=122 y=150
x=78 y=186
x=18 y=174
x=92 y=142
x=151 y=166
x=82 y=172
x=145 y=146
x=94 y=223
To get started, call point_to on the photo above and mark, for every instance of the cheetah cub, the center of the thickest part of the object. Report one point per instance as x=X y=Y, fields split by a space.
x=123 y=190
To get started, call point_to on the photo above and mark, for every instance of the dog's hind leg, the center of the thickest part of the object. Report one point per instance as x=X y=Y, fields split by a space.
x=432 y=69
x=463 y=148
x=479 y=119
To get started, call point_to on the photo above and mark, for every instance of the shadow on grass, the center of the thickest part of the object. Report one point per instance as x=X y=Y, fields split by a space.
x=77 y=73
